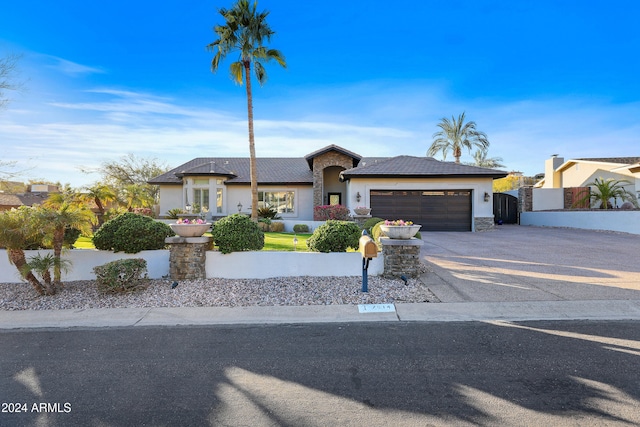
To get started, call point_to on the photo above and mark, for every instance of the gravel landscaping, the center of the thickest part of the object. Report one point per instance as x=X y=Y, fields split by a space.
x=280 y=291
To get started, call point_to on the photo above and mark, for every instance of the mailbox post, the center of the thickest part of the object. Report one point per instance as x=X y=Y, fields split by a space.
x=368 y=249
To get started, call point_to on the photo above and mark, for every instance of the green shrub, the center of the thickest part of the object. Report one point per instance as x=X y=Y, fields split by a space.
x=368 y=224
x=335 y=236
x=123 y=275
x=235 y=233
x=277 y=227
x=131 y=233
x=301 y=228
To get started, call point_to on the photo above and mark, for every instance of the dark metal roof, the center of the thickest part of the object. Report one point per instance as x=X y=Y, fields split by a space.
x=270 y=170
x=417 y=167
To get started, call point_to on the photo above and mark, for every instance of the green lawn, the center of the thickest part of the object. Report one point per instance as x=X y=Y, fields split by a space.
x=272 y=242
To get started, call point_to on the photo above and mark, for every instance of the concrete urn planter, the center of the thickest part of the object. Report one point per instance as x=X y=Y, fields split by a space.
x=402 y=232
x=362 y=211
x=190 y=230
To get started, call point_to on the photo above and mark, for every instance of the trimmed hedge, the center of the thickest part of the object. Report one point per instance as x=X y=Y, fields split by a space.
x=335 y=236
x=131 y=233
x=236 y=233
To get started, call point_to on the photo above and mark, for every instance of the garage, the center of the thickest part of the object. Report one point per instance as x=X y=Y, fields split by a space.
x=435 y=210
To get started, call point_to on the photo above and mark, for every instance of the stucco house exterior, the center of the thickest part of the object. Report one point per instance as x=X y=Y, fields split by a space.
x=441 y=196
x=577 y=173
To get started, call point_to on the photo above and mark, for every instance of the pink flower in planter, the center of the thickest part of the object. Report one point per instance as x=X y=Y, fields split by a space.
x=193 y=221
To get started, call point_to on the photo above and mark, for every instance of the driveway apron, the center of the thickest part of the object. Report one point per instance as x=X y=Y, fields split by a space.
x=521 y=263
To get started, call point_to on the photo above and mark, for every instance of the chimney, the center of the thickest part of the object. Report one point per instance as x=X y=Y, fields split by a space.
x=552 y=179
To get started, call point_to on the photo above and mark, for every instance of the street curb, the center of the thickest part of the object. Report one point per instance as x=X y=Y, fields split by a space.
x=407 y=312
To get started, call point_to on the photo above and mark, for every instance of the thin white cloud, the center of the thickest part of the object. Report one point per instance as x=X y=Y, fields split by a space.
x=71 y=68
x=373 y=121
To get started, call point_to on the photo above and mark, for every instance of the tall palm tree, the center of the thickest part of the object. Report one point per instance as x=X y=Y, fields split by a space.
x=455 y=135
x=245 y=30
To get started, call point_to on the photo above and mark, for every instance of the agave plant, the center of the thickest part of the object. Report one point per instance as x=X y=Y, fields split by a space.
x=604 y=190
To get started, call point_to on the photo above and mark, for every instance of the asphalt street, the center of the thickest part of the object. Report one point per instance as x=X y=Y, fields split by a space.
x=350 y=374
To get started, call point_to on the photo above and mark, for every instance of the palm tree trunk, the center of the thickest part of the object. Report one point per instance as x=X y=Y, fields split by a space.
x=58 y=241
x=18 y=259
x=252 y=146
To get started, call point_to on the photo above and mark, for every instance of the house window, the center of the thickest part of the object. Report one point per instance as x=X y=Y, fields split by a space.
x=281 y=201
x=334 y=198
x=219 y=200
x=200 y=199
x=201 y=182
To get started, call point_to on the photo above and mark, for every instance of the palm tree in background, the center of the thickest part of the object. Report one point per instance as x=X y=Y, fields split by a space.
x=101 y=195
x=245 y=30
x=481 y=160
x=454 y=135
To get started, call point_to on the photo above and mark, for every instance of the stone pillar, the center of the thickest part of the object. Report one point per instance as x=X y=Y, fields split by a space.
x=360 y=219
x=483 y=223
x=187 y=257
x=401 y=257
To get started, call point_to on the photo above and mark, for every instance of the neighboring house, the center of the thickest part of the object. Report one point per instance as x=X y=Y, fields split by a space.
x=36 y=195
x=577 y=173
x=438 y=195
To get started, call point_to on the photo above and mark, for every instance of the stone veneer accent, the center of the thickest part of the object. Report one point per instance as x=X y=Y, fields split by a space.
x=484 y=223
x=401 y=257
x=320 y=163
x=187 y=257
x=525 y=199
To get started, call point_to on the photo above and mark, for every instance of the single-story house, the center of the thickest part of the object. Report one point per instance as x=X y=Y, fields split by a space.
x=577 y=173
x=36 y=195
x=441 y=196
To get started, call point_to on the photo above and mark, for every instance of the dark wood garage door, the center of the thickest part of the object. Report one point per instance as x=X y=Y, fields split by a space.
x=448 y=210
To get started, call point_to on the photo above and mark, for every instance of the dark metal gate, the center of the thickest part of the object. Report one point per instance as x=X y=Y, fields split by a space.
x=505 y=208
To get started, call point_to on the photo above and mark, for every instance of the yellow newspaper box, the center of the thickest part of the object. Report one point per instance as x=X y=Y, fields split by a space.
x=367 y=247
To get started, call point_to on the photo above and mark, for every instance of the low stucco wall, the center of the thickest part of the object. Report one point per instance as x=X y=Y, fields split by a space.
x=612 y=220
x=265 y=264
x=237 y=265
x=84 y=260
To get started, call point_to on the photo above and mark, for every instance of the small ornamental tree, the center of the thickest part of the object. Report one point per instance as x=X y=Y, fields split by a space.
x=335 y=236
x=235 y=233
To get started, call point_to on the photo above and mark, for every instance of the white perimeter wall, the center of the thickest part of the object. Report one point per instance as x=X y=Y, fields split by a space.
x=84 y=260
x=239 y=265
x=548 y=198
x=613 y=220
x=265 y=264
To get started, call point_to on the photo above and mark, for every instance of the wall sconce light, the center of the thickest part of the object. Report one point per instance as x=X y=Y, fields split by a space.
x=358 y=197
x=486 y=196
x=239 y=207
x=188 y=207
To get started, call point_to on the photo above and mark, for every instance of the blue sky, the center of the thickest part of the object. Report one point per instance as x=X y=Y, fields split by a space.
x=105 y=79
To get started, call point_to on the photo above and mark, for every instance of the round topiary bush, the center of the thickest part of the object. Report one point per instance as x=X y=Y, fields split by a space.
x=131 y=233
x=335 y=236
x=235 y=233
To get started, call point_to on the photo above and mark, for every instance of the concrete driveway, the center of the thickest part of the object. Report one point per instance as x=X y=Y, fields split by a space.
x=522 y=263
